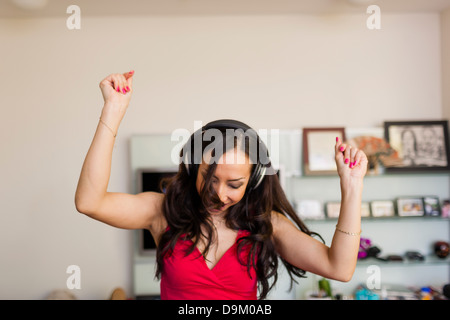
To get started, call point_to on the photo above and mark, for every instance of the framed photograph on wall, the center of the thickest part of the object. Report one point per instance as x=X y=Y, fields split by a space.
x=333 y=209
x=365 y=209
x=382 y=208
x=318 y=150
x=309 y=209
x=421 y=145
x=431 y=206
x=410 y=207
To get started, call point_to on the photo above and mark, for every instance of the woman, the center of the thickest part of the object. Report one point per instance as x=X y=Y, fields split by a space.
x=219 y=233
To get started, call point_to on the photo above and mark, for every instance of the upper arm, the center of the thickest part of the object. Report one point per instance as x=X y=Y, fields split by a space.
x=130 y=211
x=298 y=248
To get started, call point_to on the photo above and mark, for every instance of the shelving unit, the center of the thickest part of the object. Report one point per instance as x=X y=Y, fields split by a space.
x=393 y=235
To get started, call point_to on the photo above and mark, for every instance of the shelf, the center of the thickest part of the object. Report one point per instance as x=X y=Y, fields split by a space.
x=441 y=173
x=429 y=261
x=379 y=219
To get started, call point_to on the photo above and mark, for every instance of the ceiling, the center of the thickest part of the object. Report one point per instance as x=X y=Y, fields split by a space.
x=56 y=8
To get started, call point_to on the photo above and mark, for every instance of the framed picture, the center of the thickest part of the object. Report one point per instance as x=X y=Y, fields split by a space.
x=421 y=145
x=431 y=206
x=408 y=207
x=318 y=150
x=365 y=210
x=333 y=209
x=309 y=209
x=445 y=209
x=382 y=208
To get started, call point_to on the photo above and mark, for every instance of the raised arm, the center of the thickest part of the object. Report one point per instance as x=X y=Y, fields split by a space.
x=121 y=210
x=338 y=261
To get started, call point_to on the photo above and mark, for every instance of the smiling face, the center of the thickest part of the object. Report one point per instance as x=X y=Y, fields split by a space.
x=229 y=180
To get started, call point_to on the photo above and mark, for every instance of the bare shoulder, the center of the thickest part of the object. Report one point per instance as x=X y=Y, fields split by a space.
x=279 y=221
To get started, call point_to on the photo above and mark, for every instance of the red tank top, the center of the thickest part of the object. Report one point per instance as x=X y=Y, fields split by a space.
x=190 y=278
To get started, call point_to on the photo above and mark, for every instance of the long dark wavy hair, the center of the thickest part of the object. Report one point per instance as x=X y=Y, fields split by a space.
x=185 y=211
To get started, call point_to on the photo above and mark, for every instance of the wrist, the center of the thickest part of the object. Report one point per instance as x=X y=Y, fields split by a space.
x=352 y=186
x=112 y=115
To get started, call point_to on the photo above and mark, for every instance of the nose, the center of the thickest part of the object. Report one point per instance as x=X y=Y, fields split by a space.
x=222 y=193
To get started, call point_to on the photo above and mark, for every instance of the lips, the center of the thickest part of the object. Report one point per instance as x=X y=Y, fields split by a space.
x=220 y=209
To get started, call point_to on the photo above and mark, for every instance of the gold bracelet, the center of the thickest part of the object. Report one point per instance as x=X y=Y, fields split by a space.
x=349 y=233
x=114 y=134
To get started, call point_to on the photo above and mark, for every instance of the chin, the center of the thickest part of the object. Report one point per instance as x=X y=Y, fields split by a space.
x=219 y=211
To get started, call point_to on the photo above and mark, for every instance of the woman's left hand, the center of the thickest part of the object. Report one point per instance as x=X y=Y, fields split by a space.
x=351 y=162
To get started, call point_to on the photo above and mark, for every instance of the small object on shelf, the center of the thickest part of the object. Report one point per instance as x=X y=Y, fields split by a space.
x=407 y=207
x=446 y=208
x=365 y=209
x=425 y=294
x=324 y=286
x=333 y=209
x=309 y=209
x=441 y=249
x=366 y=294
x=431 y=206
x=422 y=145
x=364 y=244
x=377 y=151
x=394 y=257
x=318 y=150
x=414 y=256
x=382 y=208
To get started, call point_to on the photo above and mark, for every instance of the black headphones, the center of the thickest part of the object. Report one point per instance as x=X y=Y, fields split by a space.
x=259 y=171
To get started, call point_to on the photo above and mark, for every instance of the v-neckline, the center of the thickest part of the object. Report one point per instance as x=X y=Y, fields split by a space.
x=218 y=261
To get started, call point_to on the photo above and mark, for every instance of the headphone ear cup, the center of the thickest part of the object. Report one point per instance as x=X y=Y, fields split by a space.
x=259 y=175
x=256 y=177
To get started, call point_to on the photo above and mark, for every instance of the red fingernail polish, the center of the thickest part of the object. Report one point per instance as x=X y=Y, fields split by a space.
x=341 y=148
x=337 y=139
x=118 y=89
x=128 y=88
x=123 y=90
x=346 y=160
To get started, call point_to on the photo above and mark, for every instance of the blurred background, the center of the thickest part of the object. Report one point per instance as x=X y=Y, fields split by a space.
x=280 y=64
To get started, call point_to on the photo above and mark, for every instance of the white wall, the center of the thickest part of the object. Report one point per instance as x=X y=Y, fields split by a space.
x=285 y=72
x=445 y=40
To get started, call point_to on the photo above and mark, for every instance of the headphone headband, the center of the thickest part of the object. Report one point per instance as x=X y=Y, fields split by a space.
x=191 y=164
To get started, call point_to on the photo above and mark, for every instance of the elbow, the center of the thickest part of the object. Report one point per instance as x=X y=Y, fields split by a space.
x=345 y=276
x=82 y=206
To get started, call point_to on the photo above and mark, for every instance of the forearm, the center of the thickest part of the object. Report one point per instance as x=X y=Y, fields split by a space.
x=344 y=248
x=96 y=169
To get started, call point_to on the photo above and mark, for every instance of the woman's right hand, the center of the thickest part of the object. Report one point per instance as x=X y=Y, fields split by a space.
x=116 y=90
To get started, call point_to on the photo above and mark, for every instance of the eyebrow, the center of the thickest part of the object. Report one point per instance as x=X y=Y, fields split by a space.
x=214 y=176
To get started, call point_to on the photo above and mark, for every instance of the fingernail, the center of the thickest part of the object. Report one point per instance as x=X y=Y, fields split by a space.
x=341 y=148
x=346 y=160
x=124 y=91
x=128 y=88
x=351 y=165
x=337 y=139
x=354 y=163
x=118 y=89
x=131 y=72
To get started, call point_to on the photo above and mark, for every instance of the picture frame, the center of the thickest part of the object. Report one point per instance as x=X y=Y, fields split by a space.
x=318 y=150
x=365 y=209
x=445 y=208
x=431 y=206
x=333 y=209
x=382 y=208
x=309 y=209
x=410 y=207
x=421 y=145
